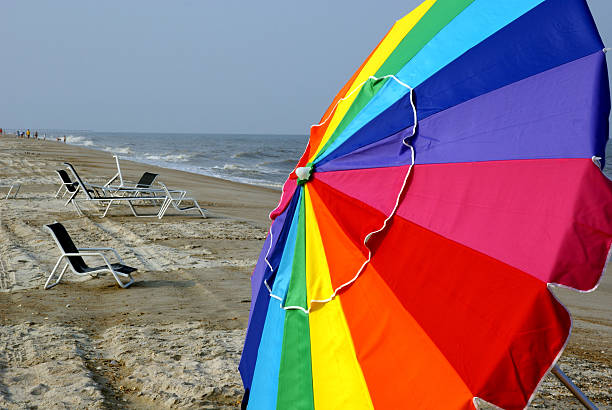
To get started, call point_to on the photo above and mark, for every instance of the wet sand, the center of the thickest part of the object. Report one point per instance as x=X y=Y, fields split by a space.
x=173 y=340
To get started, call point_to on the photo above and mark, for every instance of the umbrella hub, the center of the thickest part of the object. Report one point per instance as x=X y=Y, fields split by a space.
x=304 y=173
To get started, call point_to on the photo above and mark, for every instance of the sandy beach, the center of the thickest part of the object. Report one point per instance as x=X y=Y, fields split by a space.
x=173 y=339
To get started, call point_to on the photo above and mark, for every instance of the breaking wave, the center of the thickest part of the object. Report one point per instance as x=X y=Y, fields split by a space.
x=169 y=157
x=79 y=140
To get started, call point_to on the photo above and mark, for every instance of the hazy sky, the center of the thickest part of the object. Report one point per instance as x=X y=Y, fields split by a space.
x=269 y=66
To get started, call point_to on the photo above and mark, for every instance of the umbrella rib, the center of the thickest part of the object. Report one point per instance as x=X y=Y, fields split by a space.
x=405 y=141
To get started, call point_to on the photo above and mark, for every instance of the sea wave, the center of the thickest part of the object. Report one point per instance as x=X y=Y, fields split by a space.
x=244 y=175
x=236 y=168
x=284 y=164
x=251 y=154
x=79 y=140
x=119 y=150
x=169 y=157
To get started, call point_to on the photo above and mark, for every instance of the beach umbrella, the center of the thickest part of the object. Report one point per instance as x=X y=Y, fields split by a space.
x=451 y=182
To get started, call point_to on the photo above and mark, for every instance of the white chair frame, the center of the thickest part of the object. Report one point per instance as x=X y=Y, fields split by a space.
x=108 y=200
x=89 y=252
x=175 y=198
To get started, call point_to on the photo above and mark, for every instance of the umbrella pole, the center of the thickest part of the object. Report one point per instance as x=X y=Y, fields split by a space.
x=556 y=370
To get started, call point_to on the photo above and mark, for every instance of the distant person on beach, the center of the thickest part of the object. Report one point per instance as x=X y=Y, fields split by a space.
x=28 y=133
x=64 y=139
x=1 y=132
x=36 y=134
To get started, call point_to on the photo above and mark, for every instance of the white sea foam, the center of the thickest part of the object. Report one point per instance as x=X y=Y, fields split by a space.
x=79 y=140
x=119 y=150
x=169 y=157
x=235 y=167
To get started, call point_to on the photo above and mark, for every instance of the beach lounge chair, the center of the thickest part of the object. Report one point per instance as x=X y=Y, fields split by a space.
x=177 y=199
x=141 y=188
x=67 y=184
x=73 y=258
x=107 y=196
x=16 y=186
x=146 y=180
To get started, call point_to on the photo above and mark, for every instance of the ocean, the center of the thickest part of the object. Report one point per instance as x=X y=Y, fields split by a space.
x=264 y=160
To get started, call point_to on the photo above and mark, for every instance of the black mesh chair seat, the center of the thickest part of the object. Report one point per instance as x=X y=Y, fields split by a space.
x=117 y=267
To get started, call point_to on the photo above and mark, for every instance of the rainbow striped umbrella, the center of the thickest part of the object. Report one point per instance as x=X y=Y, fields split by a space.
x=451 y=181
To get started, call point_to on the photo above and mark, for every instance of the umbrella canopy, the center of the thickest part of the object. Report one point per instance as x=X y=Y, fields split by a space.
x=451 y=181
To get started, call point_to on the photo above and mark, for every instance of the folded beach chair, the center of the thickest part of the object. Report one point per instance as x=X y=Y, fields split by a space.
x=73 y=258
x=67 y=184
x=106 y=196
x=177 y=199
x=16 y=186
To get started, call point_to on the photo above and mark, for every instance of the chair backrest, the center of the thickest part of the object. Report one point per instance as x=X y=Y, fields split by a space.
x=66 y=181
x=118 y=175
x=64 y=242
x=146 y=180
x=79 y=180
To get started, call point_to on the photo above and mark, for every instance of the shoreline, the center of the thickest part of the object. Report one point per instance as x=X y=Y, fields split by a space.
x=98 y=166
x=175 y=337
x=262 y=160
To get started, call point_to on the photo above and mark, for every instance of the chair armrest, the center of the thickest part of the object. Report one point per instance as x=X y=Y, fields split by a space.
x=106 y=262
x=181 y=194
x=142 y=189
x=102 y=249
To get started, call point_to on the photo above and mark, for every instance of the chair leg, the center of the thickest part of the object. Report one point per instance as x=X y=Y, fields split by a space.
x=58 y=191
x=47 y=286
x=63 y=271
x=8 y=194
x=164 y=208
x=73 y=199
x=123 y=284
x=136 y=214
x=77 y=207
x=107 y=208
x=69 y=200
x=199 y=209
x=16 y=190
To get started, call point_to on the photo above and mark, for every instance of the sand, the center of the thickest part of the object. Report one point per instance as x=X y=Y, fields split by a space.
x=174 y=339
